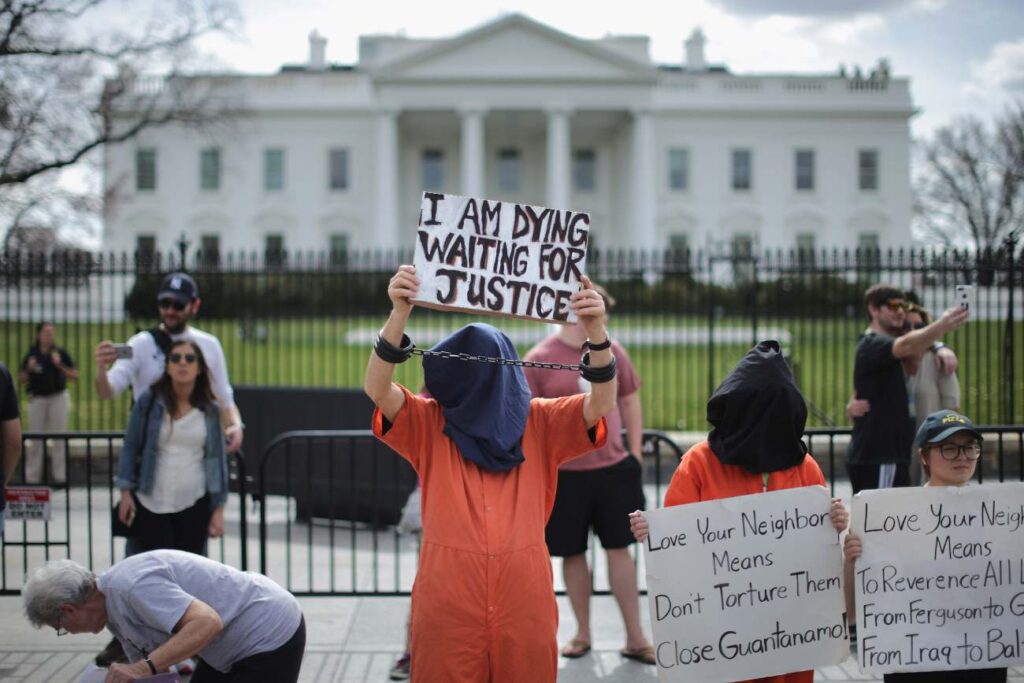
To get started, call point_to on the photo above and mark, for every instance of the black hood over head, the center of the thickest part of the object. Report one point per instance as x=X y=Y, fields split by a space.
x=758 y=414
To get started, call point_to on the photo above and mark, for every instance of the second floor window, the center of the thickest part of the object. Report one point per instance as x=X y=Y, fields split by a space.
x=805 y=169
x=867 y=169
x=338 y=162
x=433 y=170
x=678 y=169
x=209 y=169
x=584 y=170
x=742 y=169
x=508 y=170
x=145 y=169
x=273 y=169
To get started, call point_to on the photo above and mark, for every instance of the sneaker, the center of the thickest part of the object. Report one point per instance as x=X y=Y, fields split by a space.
x=400 y=671
x=113 y=653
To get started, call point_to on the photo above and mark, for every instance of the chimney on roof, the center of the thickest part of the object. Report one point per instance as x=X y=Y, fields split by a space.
x=317 y=51
x=695 y=51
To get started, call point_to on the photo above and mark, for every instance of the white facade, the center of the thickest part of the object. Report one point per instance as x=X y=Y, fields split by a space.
x=517 y=111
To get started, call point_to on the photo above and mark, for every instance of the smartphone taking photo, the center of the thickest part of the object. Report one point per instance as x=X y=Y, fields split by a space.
x=964 y=297
x=122 y=351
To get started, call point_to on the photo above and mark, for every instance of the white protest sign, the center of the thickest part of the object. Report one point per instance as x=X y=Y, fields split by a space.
x=500 y=258
x=746 y=587
x=27 y=503
x=940 y=582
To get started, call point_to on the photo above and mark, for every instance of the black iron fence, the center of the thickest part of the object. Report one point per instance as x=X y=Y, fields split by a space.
x=81 y=509
x=327 y=503
x=307 y=320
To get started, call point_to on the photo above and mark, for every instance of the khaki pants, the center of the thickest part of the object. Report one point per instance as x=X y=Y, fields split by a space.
x=47 y=414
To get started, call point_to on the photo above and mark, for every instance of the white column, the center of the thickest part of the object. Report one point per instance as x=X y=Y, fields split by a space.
x=385 y=228
x=474 y=175
x=558 y=196
x=644 y=230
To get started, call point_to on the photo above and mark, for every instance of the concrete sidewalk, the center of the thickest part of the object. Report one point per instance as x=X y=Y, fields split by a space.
x=350 y=640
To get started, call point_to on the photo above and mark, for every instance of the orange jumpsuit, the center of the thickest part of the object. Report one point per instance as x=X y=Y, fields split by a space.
x=483 y=607
x=701 y=476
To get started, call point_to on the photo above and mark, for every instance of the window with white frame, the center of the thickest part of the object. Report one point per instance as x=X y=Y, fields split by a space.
x=209 y=169
x=209 y=250
x=339 y=249
x=805 y=248
x=678 y=169
x=338 y=169
x=508 y=170
x=433 y=170
x=584 y=170
x=742 y=169
x=273 y=169
x=804 y=164
x=274 y=255
x=867 y=170
x=145 y=169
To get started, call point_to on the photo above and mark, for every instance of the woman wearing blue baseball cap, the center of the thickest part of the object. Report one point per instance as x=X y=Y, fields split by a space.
x=948 y=446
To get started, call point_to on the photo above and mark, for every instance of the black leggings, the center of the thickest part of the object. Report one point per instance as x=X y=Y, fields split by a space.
x=280 y=666
x=185 y=530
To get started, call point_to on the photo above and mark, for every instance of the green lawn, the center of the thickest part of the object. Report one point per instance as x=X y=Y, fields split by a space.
x=676 y=378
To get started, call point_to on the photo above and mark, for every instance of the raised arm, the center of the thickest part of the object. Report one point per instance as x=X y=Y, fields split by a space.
x=378 y=382
x=918 y=341
x=589 y=308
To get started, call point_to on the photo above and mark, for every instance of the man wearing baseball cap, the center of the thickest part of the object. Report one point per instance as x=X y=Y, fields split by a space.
x=177 y=302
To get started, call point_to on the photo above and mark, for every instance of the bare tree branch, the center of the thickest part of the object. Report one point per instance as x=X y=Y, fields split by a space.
x=972 y=185
x=65 y=94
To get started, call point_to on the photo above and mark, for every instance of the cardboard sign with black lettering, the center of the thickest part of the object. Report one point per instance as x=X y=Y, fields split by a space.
x=500 y=258
x=940 y=582
x=746 y=587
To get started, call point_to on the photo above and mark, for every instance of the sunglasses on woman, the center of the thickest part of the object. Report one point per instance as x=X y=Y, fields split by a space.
x=187 y=357
x=172 y=303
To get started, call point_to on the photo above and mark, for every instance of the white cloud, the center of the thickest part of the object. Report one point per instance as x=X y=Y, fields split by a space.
x=1002 y=71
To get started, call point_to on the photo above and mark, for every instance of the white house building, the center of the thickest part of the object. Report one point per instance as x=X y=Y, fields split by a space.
x=329 y=157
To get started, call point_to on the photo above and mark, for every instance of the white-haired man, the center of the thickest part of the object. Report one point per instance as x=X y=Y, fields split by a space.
x=165 y=606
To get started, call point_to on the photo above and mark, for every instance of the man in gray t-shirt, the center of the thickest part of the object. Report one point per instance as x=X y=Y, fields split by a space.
x=167 y=605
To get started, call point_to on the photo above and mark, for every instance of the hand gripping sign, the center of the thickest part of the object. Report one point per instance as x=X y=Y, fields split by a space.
x=499 y=258
x=745 y=587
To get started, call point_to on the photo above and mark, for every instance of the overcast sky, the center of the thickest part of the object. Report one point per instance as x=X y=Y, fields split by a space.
x=962 y=56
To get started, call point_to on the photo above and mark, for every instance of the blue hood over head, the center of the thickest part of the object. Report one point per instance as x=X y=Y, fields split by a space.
x=485 y=405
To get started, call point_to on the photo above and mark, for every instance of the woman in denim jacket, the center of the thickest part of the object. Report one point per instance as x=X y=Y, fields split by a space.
x=173 y=473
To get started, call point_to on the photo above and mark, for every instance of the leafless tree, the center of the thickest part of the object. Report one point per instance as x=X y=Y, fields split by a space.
x=76 y=75
x=971 y=187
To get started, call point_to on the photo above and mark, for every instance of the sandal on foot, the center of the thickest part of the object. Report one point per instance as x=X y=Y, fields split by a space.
x=575 y=649
x=644 y=655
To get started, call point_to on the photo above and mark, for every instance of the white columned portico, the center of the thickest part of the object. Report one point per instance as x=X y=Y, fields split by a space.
x=644 y=188
x=558 y=196
x=473 y=167
x=385 y=228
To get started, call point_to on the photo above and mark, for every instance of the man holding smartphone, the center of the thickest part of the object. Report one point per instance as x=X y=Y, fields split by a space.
x=178 y=301
x=879 y=452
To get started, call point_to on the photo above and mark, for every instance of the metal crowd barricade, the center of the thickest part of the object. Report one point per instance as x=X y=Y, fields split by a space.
x=80 y=520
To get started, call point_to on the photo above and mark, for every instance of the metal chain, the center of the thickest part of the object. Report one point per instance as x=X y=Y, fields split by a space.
x=496 y=361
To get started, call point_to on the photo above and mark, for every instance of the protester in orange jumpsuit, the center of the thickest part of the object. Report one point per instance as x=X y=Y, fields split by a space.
x=487 y=457
x=758 y=416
